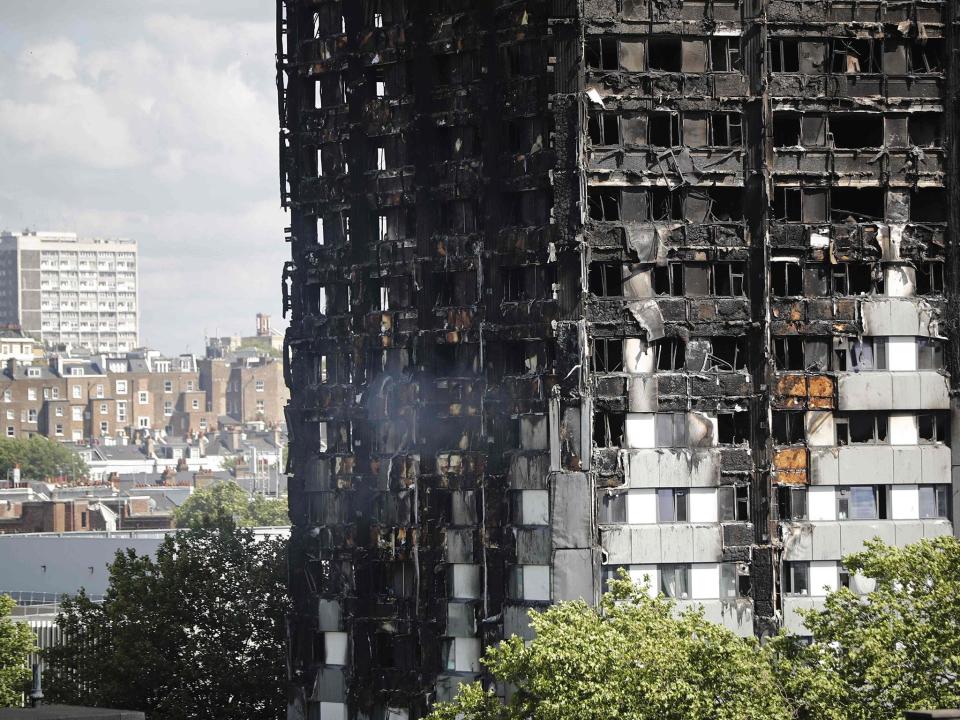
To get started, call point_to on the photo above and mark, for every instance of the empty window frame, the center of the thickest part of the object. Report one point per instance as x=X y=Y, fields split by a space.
x=602 y=53
x=925 y=129
x=727 y=353
x=788 y=427
x=604 y=128
x=670 y=354
x=675 y=581
x=796 y=578
x=532 y=282
x=934 y=501
x=608 y=429
x=733 y=428
x=606 y=279
x=784 y=55
x=927 y=56
x=665 y=53
x=786 y=277
x=861 y=428
x=856 y=279
x=668 y=279
x=733 y=503
x=856 y=204
x=856 y=56
x=788 y=204
x=672 y=505
x=607 y=355
x=670 y=429
x=930 y=278
x=786 y=129
x=928 y=205
x=856 y=130
x=725 y=54
x=791 y=503
x=604 y=203
x=726 y=129
x=861 y=502
x=729 y=279
x=663 y=129
x=932 y=427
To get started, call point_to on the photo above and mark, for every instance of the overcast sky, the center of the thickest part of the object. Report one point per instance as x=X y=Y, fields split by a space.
x=154 y=120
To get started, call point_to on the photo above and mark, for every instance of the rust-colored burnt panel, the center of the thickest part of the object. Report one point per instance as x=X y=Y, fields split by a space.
x=792 y=386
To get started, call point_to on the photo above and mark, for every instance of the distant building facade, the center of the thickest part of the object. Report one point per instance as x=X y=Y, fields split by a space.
x=64 y=290
x=109 y=398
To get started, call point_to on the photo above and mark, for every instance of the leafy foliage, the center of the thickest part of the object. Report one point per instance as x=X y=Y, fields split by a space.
x=210 y=505
x=40 y=458
x=631 y=658
x=196 y=633
x=894 y=649
x=16 y=644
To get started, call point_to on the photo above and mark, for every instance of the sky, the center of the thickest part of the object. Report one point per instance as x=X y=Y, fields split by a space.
x=154 y=120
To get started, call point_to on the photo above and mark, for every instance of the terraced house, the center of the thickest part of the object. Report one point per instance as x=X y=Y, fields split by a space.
x=584 y=285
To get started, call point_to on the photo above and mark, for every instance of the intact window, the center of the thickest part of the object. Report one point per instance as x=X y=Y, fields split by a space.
x=670 y=429
x=672 y=505
x=792 y=502
x=858 y=502
x=613 y=509
x=796 y=578
x=934 y=501
x=675 y=581
x=733 y=503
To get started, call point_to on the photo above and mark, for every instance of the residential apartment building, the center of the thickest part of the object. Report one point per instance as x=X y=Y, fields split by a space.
x=106 y=398
x=582 y=287
x=65 y=290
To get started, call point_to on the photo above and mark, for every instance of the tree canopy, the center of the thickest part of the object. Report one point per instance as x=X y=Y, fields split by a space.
x=197 y=632
x=228 y=500
x=16 y=644
x=40 y=458
x=874 y=656
x=632 y=658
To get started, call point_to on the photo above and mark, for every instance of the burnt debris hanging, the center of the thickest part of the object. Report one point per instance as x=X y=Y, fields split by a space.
x=582 y=285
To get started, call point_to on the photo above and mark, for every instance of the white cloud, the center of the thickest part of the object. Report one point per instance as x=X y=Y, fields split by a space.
x=157 y=126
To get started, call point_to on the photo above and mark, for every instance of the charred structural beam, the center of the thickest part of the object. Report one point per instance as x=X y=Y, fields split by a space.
x=588 y=285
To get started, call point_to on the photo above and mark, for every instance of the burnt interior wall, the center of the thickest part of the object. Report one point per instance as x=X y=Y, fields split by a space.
x=492 y=205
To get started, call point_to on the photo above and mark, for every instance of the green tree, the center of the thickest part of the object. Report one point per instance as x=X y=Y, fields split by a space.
x=196 y=633
x=632 y=658
x=40 y=458
x=228 y=500
x=268 y=512
x=896 y=648
x=16 y=644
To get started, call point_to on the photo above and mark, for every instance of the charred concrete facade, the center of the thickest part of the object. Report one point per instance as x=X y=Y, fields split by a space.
x=582 y=286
